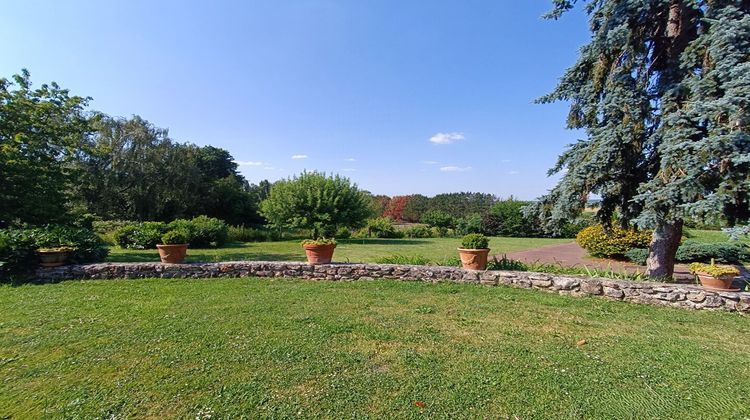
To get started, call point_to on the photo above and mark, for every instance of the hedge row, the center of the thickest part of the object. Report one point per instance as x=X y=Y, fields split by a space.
x=201 y=232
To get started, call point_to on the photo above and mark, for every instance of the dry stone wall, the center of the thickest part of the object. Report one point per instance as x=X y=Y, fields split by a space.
x=664 y=294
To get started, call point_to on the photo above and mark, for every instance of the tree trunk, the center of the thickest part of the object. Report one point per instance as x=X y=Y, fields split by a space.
x=662 y=250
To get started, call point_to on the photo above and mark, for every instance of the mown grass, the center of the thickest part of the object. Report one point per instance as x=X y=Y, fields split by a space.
x=351 y=250
x=292 y=348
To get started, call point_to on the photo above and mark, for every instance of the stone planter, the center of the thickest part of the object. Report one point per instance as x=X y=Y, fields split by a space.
x=723 y=283
x=474 y=259
x=52 y=257
x=319 y=254
x=172 y=254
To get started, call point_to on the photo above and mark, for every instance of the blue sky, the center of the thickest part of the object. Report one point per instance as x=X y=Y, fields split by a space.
x=400 y=96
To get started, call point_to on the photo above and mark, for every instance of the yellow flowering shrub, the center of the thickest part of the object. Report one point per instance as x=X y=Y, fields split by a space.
x=613 y=241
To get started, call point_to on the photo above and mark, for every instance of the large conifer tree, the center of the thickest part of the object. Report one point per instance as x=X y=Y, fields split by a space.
x=662 y=91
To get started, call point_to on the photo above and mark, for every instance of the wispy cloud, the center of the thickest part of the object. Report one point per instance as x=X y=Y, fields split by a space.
x=298 y=157
x=455 y=168
x=270 y=168
x=428 y=162
x=447 y=138
x=350 y=160
x=248 y=163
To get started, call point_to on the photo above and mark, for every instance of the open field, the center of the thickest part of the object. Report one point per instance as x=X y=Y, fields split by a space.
x=351 y=250
x=284 y=348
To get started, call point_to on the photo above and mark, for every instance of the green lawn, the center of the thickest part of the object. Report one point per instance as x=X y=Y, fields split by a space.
x=354 y=250
x=291 y=348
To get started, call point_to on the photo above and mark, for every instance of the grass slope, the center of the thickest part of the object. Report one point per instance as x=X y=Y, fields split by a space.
x=353 y=250
x=285 y=348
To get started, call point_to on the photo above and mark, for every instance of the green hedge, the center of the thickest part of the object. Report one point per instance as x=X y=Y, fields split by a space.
x=201 y=231
x=694 y=251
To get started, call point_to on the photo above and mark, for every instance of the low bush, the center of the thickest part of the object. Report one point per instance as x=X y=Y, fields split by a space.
x=343 y=233
x=613 y=241
x=319 y=241
x=438 y=219
x=249 y=234
x=203 y=231
x=714 y=270
x=382 y=227
x=418 y=231
x=106 y=229
x=141 y=235
x=174 y=237
x=469 y=224
x=694 y=251
x=474 y=241
x=506 y=264
x=723 y=252
x=18 y=247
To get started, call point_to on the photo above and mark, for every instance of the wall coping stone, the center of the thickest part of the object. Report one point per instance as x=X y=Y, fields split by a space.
x=684 y=296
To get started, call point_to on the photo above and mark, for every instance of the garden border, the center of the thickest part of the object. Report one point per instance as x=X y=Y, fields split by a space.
x=664 y=294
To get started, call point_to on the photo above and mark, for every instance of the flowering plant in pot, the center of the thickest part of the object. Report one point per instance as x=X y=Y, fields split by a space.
x=717 y=277
x=173 y=247
x=474 y=251
x=319 y=251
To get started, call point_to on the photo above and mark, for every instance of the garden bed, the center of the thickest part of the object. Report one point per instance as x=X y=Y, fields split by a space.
x=665 y=294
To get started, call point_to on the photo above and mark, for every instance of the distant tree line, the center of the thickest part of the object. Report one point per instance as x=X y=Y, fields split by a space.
x=59 y=161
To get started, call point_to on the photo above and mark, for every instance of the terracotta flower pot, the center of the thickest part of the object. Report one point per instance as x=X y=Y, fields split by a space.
x=474 y=259
x=716 y=283
x=172 y=254
x=52 y=258
x=319 y=254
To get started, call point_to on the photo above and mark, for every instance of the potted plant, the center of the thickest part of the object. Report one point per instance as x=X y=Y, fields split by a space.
x=173 y=247
x=53 y=257
x=717 y=277
x=474 y=251
x=319 y=251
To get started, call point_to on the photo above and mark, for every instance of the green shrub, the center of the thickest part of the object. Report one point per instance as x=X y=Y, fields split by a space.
x=572 y=229
x=382 y=227
x=107 y=229
x=248 y=234
x=343 y=233
x=17 y=256
x=474 y=241
x=202 y=231
x=469 y=224
x=723 y=252
x=141 y=235
x=506 y=219
x=18 y=248
x=174 y=237
x=418 y=232
x=637 y=255
x=439 y=219
x=611 y=242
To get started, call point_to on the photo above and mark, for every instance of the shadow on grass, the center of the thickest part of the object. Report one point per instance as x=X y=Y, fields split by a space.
x=377 y=241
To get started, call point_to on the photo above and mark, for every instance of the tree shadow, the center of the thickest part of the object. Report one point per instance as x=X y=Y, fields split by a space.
x=152 y=256
x=378 y=241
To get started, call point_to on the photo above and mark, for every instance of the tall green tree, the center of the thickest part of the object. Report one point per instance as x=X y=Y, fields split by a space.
x=41 y=132
x=316 y=202
x=662 y=91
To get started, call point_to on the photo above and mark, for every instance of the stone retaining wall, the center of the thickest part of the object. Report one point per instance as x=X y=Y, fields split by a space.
x=674 y=295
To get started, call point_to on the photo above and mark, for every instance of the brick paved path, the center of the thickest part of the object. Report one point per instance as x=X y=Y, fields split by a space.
x=572 y=255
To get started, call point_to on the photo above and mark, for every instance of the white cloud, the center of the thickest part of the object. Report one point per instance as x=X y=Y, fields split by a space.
x=350 y=160
x=269 y=167
x=447 y=138
x=455 y=168
x=429 y=162
x=248 y=163
x=348 y=170
x=513 y=172
x=297 y=157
